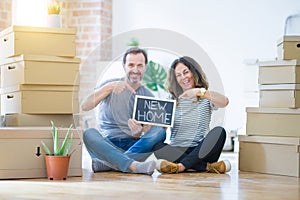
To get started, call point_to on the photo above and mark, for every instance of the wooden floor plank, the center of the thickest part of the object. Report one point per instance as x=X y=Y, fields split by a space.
x=115 y=185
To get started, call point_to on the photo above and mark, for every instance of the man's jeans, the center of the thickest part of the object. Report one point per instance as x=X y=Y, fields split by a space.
x=106 y=150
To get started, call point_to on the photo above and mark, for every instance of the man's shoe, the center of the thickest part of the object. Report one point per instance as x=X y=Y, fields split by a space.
x=219 y=167
x=165 y=166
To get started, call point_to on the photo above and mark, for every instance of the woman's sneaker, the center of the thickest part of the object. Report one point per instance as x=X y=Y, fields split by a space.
x=167 y=167
x=219 y=167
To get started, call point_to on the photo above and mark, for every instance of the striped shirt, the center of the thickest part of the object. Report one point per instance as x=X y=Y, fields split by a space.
x=191 y=122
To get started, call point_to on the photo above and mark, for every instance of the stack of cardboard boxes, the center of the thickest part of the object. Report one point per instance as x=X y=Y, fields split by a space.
x=39 y=84
x=272 y=141
x=39 y=76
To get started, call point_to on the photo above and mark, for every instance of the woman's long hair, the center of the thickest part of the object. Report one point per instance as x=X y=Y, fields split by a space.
x=199 y=76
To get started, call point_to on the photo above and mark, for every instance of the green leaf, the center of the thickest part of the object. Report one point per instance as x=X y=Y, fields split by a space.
x=53 y=130
x=155 y=76
x=133 y=42
x=162 y=86
x=55 y=139
x=66 y=143
x=152 y=86
x=46 y=149
x=54 y=8
x=68 y=147
x=72 y=152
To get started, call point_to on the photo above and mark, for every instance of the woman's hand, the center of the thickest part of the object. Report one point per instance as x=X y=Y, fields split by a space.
x=216 y=98
x=191 y=93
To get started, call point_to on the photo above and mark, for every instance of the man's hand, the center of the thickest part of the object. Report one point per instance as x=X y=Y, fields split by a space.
x=135 y=127
x=95 y=98
x=120 y=86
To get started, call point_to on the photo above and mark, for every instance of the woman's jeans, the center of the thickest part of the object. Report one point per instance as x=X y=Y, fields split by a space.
x=121 y=153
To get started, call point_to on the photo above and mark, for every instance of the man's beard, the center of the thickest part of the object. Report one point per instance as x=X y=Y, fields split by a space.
x=134 y=82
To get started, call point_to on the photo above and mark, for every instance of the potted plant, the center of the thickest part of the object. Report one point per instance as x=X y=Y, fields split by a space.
x=54 y=17
x=57 y=161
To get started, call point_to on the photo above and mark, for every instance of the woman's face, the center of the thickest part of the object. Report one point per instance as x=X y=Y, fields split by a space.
x=184 y=77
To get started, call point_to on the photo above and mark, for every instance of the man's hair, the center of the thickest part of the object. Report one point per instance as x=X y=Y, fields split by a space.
x=135 y=50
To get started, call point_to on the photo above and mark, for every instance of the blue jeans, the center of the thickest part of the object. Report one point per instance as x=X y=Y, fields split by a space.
x=123 y=143
x=144 y=146
x=103 y=149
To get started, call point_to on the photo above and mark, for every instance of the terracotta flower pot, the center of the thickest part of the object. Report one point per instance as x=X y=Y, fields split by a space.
x=57 y=167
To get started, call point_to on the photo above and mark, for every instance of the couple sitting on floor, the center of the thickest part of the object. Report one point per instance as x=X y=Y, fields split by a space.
x=123 y=144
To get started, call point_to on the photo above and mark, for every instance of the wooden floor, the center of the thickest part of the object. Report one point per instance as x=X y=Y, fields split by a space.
x=115 y=185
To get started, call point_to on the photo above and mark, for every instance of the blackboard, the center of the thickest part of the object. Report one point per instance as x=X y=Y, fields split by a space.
x=154 y=111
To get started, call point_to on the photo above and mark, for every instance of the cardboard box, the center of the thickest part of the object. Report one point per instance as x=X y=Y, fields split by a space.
x=279 y=96
x=22 y=156
x=1 y=122
x=37 y=99
x=32 y=120
x=17 y=40
x=270 y=155
x=288 y=47
x=279 y=72
x=273 y=122
x=38 y=69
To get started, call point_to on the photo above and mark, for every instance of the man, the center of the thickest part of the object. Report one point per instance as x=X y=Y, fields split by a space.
x=116 y=99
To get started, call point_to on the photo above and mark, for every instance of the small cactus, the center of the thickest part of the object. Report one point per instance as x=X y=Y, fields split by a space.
x=54 y=8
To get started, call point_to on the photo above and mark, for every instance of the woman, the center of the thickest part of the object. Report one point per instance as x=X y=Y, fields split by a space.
x=192 y=144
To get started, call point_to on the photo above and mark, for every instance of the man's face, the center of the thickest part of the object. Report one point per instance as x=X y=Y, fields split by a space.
x=135 y=67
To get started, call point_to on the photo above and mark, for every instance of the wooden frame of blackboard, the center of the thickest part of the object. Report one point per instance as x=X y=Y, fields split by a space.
x=167 y=101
